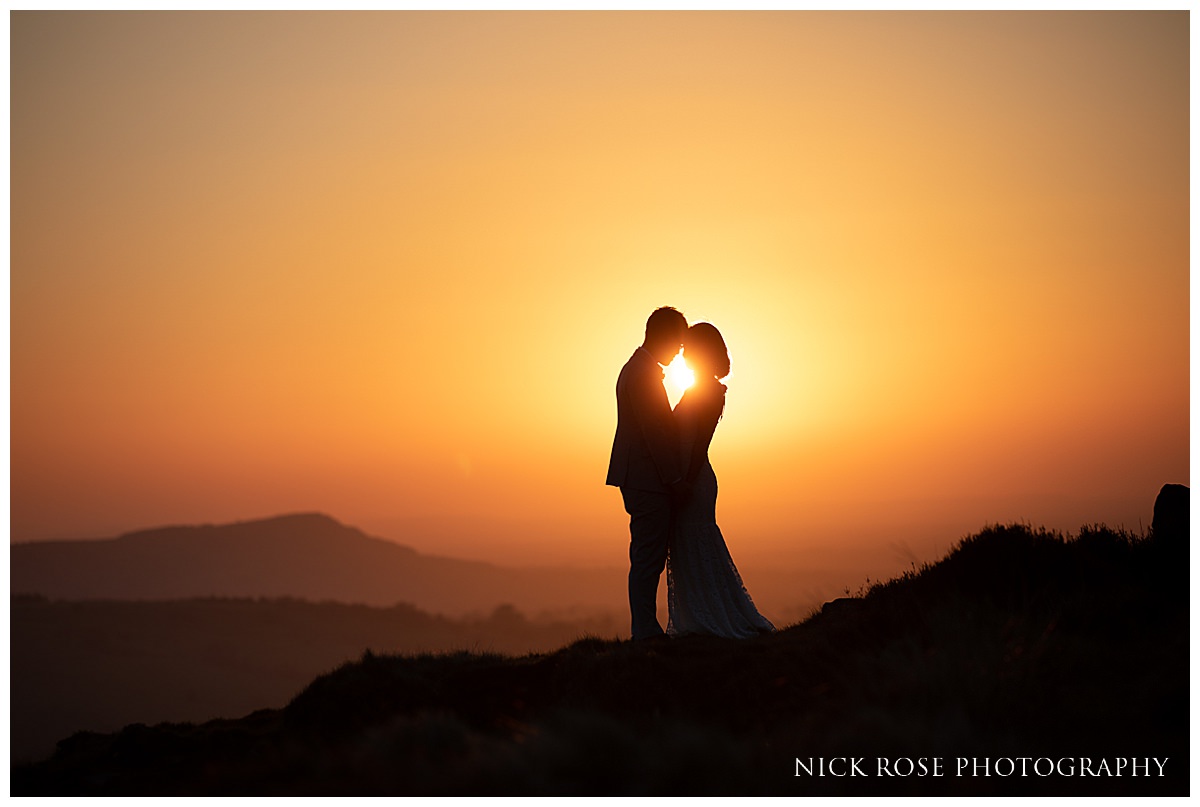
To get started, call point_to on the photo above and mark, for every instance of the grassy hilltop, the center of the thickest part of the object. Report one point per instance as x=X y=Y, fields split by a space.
x=1019 y=643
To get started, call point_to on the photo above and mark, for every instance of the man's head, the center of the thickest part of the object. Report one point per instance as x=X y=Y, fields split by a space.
x=664 y=334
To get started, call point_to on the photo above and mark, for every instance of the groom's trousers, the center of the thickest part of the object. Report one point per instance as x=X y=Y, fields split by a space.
x=649 y=529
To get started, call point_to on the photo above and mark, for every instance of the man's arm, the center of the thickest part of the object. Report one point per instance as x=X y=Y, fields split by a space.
x=657 y=426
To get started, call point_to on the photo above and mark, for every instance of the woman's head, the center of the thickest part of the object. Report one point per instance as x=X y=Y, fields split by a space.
x=705 y=351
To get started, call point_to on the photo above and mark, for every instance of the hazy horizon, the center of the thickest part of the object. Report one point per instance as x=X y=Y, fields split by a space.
x=786 y=586
x=386 y=266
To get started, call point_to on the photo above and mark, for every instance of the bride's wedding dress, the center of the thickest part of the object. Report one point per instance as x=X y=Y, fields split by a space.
x=705 y=593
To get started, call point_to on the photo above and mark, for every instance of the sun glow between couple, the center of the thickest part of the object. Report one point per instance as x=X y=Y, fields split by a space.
x=679 y=375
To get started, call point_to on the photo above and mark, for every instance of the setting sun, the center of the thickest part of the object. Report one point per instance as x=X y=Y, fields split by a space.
x=679 y=375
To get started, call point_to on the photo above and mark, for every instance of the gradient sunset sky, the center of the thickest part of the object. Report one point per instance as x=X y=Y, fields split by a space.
x=387 y=266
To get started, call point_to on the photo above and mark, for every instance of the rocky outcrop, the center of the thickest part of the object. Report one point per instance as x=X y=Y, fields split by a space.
x=1172 y=516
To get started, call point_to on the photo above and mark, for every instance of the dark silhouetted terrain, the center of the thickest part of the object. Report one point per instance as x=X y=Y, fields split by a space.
x=1018 y=644
x=308 y=556
x=100 y=665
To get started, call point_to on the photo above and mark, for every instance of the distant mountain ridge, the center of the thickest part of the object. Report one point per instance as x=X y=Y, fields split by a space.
x=306 y=555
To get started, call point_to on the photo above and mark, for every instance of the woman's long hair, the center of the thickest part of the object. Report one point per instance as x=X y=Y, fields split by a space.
x=703 y=344
x=703 y=339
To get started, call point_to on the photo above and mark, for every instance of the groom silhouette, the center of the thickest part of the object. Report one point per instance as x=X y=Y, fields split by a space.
x=645 y=464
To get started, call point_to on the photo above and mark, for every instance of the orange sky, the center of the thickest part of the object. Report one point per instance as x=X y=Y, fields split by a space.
x=387 y=266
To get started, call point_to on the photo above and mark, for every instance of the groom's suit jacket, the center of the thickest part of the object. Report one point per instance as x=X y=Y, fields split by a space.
x=645 y=452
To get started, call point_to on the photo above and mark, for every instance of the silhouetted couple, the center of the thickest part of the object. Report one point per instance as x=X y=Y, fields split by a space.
x=660 y=463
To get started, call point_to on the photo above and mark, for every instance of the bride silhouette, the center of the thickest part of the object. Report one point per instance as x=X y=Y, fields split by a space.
x=705 y=593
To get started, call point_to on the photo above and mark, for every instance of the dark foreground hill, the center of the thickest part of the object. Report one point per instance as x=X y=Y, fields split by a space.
x=307 y=556
x=1022 y=663
x=102 y=664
